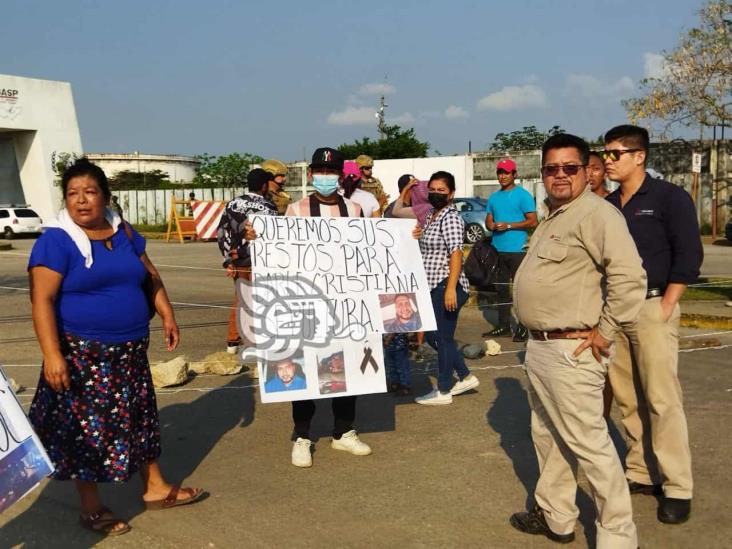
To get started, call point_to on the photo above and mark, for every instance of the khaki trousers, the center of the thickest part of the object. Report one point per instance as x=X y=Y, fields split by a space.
x=644 y=377
x=568 y=428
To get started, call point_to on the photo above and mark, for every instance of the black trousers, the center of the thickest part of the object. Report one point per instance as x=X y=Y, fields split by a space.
x=508 y=263
x=344 y=413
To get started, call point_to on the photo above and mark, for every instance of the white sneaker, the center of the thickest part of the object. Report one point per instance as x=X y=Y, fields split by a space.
x=350 y=442
x=470 y=382
x=434 y=398
x=301 y=455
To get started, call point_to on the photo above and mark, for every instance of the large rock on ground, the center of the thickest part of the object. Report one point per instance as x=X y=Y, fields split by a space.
x=167 y=374
x=473 y=351
x=220 y=363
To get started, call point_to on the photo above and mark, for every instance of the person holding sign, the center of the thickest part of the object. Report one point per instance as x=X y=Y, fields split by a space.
x=326 y=173
x=230 y=237
x=94 y=408
x=442 y=252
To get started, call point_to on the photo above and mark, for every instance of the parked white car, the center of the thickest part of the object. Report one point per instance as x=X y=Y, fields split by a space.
x=15 y=220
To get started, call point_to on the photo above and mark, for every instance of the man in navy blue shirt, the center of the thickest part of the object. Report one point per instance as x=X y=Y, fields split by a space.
x=662 y=220
x=510 y=211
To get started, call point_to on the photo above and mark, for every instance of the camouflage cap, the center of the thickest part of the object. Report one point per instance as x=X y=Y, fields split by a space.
x=364 y=161
x=274 y=166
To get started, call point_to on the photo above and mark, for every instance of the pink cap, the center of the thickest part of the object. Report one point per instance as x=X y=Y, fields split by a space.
x=506 y=164
x=351 y=168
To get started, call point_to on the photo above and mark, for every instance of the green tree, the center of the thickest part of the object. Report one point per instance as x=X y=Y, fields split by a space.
x=397 y=143
x=527 y=138
x=127 y=180
x=229 y=170
x=695 y=85
x=61 y=161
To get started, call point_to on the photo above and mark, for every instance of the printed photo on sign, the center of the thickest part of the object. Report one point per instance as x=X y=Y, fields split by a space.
x=332 y=373
x=23 y=461
x=285 y=374
x=400 y=313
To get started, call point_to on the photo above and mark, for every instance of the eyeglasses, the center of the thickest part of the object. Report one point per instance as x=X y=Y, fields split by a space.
x=553 y=170
x=615 y=154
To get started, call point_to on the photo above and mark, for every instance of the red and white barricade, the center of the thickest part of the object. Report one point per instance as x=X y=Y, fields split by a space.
x=206 y=216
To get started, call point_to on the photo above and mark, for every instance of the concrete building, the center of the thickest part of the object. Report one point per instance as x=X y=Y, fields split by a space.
x=37 y=121
x=180 y=169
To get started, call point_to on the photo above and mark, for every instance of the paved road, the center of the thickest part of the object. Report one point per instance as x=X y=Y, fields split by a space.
x=438 y=477
x=717 y=260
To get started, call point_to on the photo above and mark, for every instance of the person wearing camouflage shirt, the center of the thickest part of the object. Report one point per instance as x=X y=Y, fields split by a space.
x=276 y=186
x=370 y=183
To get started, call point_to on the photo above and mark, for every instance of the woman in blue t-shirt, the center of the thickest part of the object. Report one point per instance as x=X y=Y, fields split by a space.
x=94 y=408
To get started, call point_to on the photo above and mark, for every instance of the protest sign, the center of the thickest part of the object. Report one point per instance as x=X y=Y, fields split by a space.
x=23 y=461
x=323 y=291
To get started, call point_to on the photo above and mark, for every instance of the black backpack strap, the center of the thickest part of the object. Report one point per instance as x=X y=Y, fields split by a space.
x=343 y=207
x=314 y=207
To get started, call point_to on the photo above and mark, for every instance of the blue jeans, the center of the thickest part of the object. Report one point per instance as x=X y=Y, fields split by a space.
x=449 y=359
x=396 y=359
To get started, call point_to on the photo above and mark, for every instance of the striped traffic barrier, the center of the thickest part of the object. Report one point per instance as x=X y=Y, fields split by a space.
x=206 y=215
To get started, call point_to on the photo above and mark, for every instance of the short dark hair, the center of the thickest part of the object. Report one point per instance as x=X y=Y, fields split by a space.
x=631 y=136
x=596 y=154
x=566 y=141
x=257 y=179
x=81 y=168
x=447 y=177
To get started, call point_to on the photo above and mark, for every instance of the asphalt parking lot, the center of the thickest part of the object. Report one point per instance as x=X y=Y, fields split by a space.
x=439 y=477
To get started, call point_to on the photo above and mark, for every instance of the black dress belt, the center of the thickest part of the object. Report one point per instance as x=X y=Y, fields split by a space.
x=655 y=292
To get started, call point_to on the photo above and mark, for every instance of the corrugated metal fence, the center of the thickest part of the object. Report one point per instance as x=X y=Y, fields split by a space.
x=153 y=207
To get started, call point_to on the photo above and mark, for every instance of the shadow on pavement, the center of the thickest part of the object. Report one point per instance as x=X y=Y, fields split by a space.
x=189 y=432
x=510 y=417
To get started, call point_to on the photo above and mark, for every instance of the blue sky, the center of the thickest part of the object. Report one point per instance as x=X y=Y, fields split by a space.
x=279 y=77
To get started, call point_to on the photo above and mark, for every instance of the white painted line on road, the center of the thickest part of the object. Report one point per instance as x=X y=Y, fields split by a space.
x=705 y=335
x=718 y=347
x=13 y=288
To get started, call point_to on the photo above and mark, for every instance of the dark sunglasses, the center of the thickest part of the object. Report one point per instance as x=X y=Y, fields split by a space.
x=615 y=154
x=569 y=169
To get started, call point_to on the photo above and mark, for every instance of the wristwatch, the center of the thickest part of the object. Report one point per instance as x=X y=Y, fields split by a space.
x=508 y=226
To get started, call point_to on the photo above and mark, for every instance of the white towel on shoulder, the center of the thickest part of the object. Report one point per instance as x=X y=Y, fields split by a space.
x=64 y=222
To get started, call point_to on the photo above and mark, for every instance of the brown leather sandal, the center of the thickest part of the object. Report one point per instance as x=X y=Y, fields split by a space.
x=171 y=500
x=103 y=522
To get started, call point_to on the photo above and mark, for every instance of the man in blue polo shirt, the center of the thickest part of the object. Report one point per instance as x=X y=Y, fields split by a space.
x=510 y=211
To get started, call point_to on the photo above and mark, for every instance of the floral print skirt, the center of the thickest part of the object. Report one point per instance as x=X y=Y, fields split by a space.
x=106 y=425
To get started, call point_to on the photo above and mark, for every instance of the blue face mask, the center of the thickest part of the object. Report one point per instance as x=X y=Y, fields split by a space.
x=325 y=184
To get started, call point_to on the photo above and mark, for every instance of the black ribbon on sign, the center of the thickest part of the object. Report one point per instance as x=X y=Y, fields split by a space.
x=368 y=359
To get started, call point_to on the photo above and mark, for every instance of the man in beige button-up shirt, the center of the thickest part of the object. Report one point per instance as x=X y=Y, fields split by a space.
x=580 y=282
